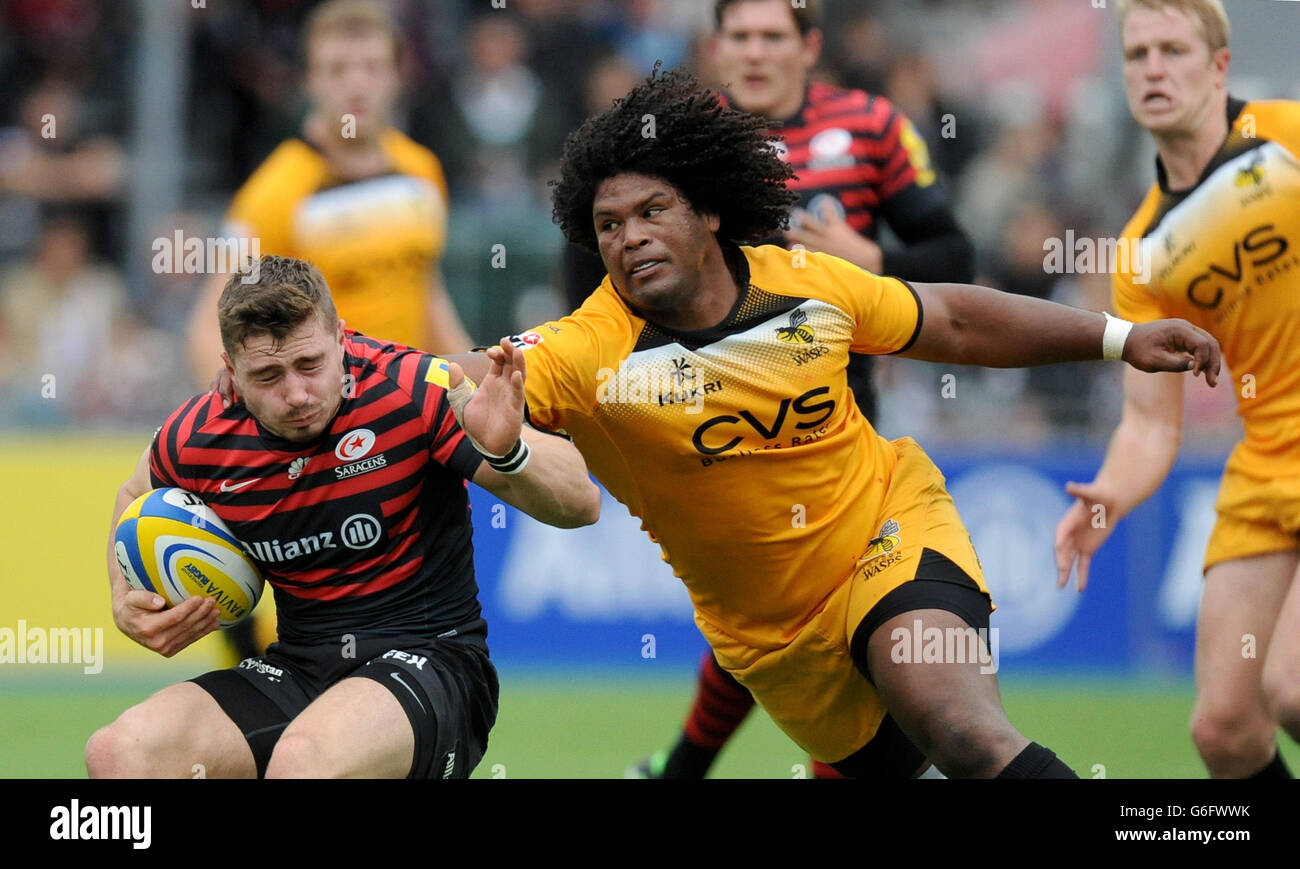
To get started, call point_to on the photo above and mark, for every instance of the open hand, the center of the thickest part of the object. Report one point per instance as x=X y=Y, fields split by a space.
x=494 y=415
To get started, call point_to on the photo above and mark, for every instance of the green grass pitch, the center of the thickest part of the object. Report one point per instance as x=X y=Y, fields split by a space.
x=559 y=725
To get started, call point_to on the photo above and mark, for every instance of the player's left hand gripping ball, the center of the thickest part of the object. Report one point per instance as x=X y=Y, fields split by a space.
x=169 y=542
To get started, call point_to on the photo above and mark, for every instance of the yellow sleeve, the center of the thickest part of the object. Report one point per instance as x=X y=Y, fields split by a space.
x=562 y=365
x=1133 y=301
x=886 y=311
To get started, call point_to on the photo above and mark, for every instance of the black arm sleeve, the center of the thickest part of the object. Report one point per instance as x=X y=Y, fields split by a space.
x=936 y=249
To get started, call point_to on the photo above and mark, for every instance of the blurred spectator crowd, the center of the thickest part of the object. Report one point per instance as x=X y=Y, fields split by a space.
x=1020 y=101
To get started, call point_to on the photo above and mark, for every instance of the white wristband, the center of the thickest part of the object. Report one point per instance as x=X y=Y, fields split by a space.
x=1112 y=340
x=515 y=459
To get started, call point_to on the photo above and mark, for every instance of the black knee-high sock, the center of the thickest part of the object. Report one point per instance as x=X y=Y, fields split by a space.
x=1036 y=762
x=1275 y=768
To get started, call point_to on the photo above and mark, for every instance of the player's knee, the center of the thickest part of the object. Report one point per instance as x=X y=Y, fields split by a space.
x=99 y=753
x=962 y=743
x=299 y=754
x=116 y=751
x=1229 y=742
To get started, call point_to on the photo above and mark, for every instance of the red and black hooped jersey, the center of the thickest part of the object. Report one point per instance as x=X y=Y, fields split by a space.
x=852 y=149
x=365 y=530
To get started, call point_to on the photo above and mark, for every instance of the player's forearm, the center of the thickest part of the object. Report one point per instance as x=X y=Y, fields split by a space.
x=554 y=486
x=983 y=326
x=1138 y=460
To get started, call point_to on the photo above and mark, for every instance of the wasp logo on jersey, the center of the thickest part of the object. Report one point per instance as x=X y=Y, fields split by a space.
x=884 y=544
x=882 y=551
x=1252 y=174
x=796 y=332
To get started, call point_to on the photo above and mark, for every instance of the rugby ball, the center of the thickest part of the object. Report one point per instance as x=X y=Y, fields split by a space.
x=169 y=542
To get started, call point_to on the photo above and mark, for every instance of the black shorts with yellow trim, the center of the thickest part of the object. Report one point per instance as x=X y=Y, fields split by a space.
x=817 y=688
x=447 y=686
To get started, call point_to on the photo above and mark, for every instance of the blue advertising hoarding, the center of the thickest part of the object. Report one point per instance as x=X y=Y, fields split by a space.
x=601 y=597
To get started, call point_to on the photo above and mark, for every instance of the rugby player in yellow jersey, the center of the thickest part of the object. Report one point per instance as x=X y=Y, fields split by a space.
x=1221 y=227
x=362 y=202
x=704 y=383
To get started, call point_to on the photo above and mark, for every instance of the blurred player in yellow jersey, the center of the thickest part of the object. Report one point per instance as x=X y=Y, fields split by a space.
x=704 y=382
x=354 y=196
x=1220 y=231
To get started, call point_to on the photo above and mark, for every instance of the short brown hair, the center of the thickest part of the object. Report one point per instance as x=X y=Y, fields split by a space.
x=1209 y=15
x=349 y=18
x=272 y=295
x=805 y=14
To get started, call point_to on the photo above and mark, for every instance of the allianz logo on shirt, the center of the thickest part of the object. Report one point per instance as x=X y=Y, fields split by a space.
x=359 y=531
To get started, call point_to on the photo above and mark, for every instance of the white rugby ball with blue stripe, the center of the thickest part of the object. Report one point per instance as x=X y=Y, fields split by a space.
x=169 y=542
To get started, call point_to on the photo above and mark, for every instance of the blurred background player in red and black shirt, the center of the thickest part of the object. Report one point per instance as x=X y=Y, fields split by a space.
x=858 y=161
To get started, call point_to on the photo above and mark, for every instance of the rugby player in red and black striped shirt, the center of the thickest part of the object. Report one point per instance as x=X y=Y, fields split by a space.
x=857 y=161
x=342 y=470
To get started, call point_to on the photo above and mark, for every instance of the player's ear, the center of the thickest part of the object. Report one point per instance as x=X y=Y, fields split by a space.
x=812 y=46
x=711 y=43
x=1220 y=60
x=712 y=221
x=230 y=366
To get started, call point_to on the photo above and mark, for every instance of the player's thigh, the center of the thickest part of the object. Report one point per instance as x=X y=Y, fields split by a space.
x=946 y=697
x=920 y=611
x=181 y=732
x=1234 y=630
x=422 y=711
x=355 y=729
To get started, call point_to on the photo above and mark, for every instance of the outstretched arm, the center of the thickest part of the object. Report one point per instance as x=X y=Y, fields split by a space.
x=970 y=325
x=553 y=485
x=1139 y=457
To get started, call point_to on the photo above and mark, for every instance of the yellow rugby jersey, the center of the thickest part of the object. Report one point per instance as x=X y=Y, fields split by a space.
x=740 y=447
x=1225 y=255
x=376 y=240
